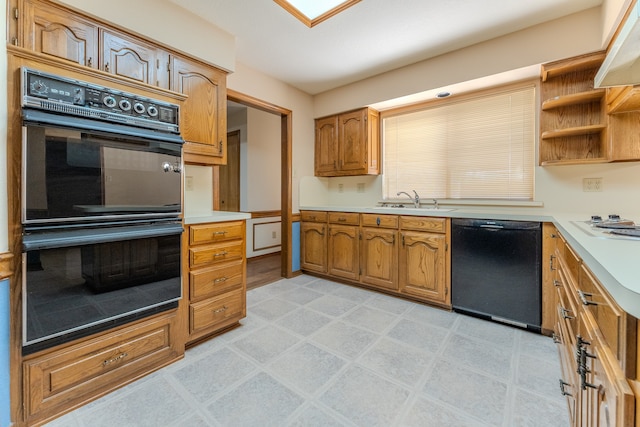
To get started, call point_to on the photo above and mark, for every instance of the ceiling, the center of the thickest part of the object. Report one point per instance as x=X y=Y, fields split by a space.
x=369 y=38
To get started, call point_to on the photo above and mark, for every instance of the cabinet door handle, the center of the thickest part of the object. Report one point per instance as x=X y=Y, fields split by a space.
x=106 y=67
x=583 y=297
x=219 y=254
x=556 y=283
x=220 y=147
x=565 y=313
x=562 y=390
x=220 y=280
x=221 y=310
x=90 y=62
x=551 y=267
x=556 y=338
x=114 y=359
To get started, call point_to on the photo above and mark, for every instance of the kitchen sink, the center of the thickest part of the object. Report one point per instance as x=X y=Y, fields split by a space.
x=410 y=210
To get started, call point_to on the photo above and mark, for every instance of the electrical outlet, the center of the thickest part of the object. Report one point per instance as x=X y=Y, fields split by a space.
x=273 y=234
x=360 y=187
x=340 y=188
x=188 y=183
x=592 y=184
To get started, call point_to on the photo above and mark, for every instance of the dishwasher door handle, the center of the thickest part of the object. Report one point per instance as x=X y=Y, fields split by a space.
x=494 y=226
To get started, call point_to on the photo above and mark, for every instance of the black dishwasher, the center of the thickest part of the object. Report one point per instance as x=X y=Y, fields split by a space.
x=496 y=270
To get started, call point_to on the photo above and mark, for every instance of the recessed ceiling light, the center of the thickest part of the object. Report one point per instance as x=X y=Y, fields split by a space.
x=443 y=94
x=313 y=12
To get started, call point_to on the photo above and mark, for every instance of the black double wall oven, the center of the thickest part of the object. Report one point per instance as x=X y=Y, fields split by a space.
x=101 y=208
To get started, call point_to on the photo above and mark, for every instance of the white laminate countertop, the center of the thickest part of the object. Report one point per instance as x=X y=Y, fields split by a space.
x=615 y=262
x=215 y=216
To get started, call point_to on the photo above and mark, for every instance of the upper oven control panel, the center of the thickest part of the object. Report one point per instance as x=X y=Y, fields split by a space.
x=74 y=97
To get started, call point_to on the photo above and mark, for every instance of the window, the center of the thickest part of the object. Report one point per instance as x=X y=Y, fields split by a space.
x=477 y=148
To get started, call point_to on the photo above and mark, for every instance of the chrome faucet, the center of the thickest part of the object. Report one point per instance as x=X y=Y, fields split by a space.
x=415 y=200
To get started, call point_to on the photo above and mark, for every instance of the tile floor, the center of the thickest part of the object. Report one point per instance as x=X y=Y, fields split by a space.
x=312 y=352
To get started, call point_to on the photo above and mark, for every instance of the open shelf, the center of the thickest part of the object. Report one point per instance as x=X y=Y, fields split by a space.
x=576 y=131
x=573 y=99
x=558 y=68
x=574 y=161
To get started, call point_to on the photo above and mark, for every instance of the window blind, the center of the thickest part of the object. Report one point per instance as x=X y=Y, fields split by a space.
x=479 y=148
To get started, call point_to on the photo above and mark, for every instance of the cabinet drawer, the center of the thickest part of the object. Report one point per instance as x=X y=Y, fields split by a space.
x=608 y=317
x=215 y=280
x=211 y=254
x=420 y=223
x=382 y=221
x=344 y=218
x=217 y=232
x=313 y=216
x=75 y=373
x=216 y=310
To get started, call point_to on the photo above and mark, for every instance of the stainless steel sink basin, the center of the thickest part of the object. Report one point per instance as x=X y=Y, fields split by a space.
x=409 y=210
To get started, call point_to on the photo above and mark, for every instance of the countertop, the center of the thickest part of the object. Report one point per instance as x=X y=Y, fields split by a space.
x=214 y=216
x=615 y=262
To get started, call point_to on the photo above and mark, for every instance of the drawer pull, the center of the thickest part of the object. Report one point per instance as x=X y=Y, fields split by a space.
x=583 y=297
x=562 y=390
x=221 y=310
x=115 y=359
x=219 y=254
x=312 y=218
x=342 y=219
x=565 y=313
x=220 y=279
x=219 y=233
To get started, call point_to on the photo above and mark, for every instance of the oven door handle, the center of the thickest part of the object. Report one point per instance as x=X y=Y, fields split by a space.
x=89 y=236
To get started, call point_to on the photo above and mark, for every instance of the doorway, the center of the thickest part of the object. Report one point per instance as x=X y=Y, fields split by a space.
x=229 y=175
x=285 y=173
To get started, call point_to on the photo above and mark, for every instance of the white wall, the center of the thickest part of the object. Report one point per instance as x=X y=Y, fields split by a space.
x=559 y=188
x=263 y=161
x=258 y=85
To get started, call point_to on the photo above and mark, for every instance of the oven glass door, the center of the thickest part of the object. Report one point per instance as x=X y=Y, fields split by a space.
x=117 y=275
x=72 y=175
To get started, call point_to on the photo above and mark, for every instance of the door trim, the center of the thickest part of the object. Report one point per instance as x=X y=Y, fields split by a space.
x=285 y=172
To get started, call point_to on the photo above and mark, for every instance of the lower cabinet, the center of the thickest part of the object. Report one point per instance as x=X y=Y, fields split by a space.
x=596 y=344
x=214 y=277
x=61 y=379
x=403 y=255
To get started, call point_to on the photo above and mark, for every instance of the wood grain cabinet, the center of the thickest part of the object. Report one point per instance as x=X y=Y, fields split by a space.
x=130 y=57
x=313 y=241
x=343 y=245
x=203 y=116
x=53 y=31
x=403 y=255
x=573 y=119
x=56 y=30
x=215 y=278
x=596 y=343
x=379 y=251
x=70 y=375
x=424 y=258
x=348 y=144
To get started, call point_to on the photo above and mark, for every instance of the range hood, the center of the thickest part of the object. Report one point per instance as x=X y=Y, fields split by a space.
x=621 y=67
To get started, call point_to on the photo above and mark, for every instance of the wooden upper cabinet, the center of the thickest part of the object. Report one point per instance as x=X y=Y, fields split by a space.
x=203 y=116
x=53 y=31
x=326 y=151
x=133 y=58
x=348 y=144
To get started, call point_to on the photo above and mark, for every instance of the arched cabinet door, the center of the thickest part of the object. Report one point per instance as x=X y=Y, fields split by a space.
x=203 y=117
x=423 y=265
x=132 y=58
x=55 y=32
